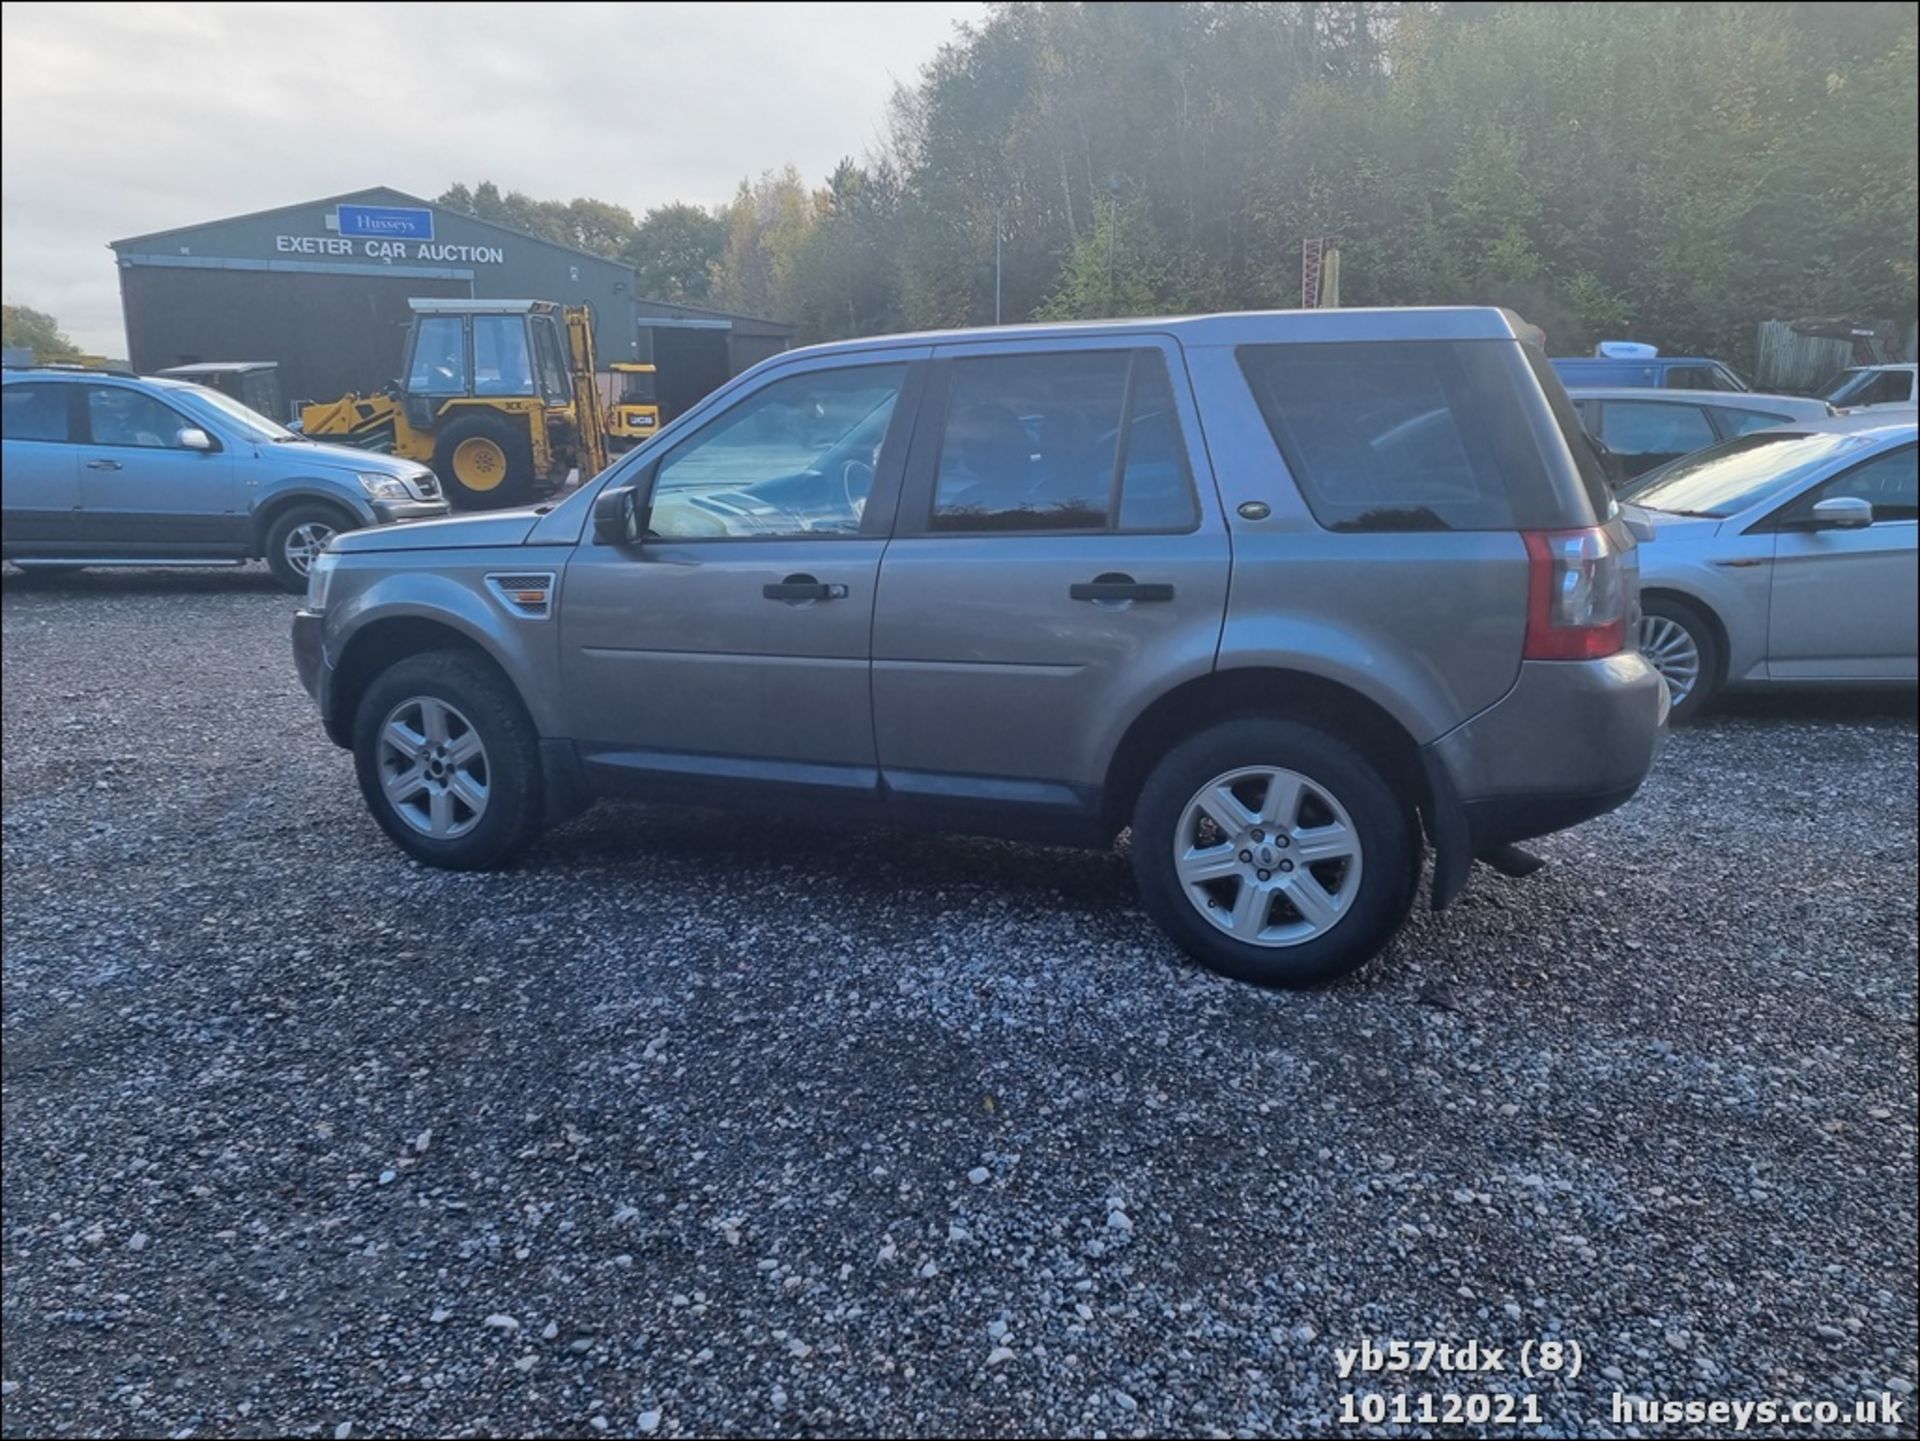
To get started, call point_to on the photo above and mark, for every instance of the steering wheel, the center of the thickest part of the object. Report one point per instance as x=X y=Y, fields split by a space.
x=856 y=480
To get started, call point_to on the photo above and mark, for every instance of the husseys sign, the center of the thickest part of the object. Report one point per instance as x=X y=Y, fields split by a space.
x=386 y=232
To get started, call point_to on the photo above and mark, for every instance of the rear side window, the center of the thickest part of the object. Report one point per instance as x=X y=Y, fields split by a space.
x=1653 y=427
x=1083 y=440
x=34 y=412
x=1395 y=436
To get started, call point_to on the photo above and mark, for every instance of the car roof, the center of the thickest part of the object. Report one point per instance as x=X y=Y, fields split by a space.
x=1883 y=365
x=1243 y=327
x=1693 y=397
x=1894 y=423
x=82 y=376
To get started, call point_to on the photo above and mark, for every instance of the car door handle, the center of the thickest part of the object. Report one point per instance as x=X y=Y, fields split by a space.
x=803 y=587
x=103 y=465
x=1119 y=587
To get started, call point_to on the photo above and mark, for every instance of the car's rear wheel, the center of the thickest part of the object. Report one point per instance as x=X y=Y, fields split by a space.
x=448 y=761
x=1274 y=853
x=296 y=538
x=1680 y=643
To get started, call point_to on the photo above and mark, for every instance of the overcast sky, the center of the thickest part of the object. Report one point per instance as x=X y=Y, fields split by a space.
x=124 y=119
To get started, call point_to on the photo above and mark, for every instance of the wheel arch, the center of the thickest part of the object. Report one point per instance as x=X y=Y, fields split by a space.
x=1264 y=691
x=281 y=501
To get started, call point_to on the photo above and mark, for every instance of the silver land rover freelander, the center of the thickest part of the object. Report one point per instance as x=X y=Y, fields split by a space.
x=1293 y=596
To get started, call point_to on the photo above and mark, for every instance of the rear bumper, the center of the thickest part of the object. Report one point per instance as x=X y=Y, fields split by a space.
x=1570 y=741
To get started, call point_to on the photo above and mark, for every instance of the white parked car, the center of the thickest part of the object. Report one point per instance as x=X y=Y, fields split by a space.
x=1872 y=387
x=1642 y=427
x=1784 y=556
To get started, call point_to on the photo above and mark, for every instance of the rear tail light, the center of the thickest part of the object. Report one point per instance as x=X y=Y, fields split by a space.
x=1577 y=595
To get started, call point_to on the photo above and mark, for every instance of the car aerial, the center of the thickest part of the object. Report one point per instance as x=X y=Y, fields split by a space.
x=1644 y=428
x=111 y=469
x=1872 y=387
x=1782 y=557
x=1285 y=594
x=1624 y=364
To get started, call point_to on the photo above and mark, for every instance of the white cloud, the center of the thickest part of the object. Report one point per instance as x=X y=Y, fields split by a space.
x=125 y=119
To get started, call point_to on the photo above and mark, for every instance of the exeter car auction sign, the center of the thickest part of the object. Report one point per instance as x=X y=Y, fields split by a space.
x=386 y=232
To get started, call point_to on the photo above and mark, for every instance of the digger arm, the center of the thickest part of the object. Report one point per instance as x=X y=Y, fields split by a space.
x=589 y=412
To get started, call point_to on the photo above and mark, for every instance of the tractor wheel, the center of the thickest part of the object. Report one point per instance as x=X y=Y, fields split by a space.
x=484 y=463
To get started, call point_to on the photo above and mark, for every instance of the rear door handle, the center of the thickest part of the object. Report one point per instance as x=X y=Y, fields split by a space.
x=803 y=587
x=1119 y=587
x=103 y=465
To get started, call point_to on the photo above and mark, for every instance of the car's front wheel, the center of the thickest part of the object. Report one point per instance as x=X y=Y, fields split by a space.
x=1274 y=853
x=1678 y=641
x=296 y=538
x=449 y=762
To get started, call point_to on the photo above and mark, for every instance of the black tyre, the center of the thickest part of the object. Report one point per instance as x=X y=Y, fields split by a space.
x=298 y=534
x=485 y=462
x=1274 y=853
x=1680 y=642
x=449 y=761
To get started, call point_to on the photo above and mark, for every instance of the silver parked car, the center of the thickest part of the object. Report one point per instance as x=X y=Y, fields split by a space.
x=1783 y=557
x=1643 y=428
x=1290 y=595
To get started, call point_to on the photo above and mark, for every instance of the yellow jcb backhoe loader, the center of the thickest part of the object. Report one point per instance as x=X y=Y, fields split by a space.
x=499 y=396
x=635 y=414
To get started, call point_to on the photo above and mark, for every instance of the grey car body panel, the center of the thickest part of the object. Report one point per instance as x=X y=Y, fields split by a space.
x=133 y=502
x=1796 y=606
x=957 y=673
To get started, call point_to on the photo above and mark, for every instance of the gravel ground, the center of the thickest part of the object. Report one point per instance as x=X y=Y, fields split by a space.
x=688 y=1130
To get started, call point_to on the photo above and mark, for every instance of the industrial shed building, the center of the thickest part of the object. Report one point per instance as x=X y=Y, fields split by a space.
x=322 y=288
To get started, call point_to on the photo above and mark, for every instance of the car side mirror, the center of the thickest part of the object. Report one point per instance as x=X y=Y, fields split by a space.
x=619 y=516
x=1843 y=512
x=192 y=437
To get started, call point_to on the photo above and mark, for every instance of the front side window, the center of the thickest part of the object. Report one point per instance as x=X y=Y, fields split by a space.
x=1070 y=440
x=501 y=365
x=34 y=412
x=1890 y=483
x=1649 y=427
x=439 y=356
x=118 y=416
x=796 y=458
x=1396 y=436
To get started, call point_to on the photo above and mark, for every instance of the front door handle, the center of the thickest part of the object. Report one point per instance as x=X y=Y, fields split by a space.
x=803 y=587
x=1119 y=587
x=103 y=465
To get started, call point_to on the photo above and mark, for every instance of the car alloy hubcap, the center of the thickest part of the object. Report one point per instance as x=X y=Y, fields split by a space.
x=305 y=542
x=433 y=768
x=1670 y=649
x=1268 y=856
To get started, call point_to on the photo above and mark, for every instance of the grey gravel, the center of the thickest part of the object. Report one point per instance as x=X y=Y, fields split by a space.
x=1671 y=1092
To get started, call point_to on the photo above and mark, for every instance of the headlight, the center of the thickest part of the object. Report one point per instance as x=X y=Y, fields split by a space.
x=319 y=578
x=384 y=487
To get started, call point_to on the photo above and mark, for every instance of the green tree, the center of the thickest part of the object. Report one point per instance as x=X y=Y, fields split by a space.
x=37 y=331
x=674 y=250
x=766 y=224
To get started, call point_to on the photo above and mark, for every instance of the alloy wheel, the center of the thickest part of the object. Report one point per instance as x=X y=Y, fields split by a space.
x=433 y=768
x=304 y=544
x=1268 y=856
x=1671 y=649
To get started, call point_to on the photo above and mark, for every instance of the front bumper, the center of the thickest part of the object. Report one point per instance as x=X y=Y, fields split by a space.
x=1570 y=741
x=390 y=511
x=310 y=657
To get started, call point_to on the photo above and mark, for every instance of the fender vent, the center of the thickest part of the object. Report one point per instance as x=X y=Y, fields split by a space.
x=527 y=593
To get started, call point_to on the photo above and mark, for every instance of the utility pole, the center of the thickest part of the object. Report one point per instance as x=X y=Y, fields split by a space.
x=998 y=209
x=1113 y=229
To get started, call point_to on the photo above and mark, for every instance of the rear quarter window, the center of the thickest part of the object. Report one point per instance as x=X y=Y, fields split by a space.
x=1398 y=436
x=34 y=412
